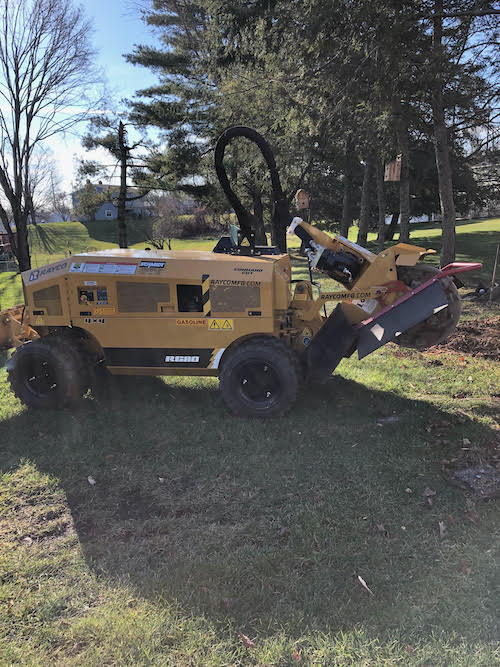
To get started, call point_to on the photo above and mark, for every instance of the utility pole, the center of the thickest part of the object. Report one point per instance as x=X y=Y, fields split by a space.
x=122 y=195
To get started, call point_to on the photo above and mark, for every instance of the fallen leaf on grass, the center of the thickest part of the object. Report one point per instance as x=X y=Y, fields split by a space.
x=363 y=583
x=284 y=532
x=382 y=529
x=466 y=569
x=246 y=641
x=466 y=442
x=442 y=529
x=393 y=419
x=472 y=515
x=428 y=495
x=297 y=656
x=91 y=480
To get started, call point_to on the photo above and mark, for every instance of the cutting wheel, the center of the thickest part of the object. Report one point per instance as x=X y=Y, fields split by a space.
x=438 y=327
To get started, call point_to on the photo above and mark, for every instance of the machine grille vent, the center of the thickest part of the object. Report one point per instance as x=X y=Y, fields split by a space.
x=141 y=297
x=48 y=298
x=234 y=298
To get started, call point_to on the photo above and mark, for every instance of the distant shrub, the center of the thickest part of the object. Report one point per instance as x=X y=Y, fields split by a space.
x=199 y=223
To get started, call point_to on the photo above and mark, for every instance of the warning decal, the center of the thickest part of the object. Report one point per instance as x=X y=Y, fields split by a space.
x=191 y=322
x=221 y=324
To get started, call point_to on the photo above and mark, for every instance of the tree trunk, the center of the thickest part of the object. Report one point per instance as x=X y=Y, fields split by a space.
x=122 y=195
x=404 y=183
x=402 y=136
x=347 y=215
x=391 y=228
x=404 y=189
x=381 y=205
x=441 y=145
x=364 y=214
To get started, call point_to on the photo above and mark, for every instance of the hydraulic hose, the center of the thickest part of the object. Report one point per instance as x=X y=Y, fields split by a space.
x=281 y=215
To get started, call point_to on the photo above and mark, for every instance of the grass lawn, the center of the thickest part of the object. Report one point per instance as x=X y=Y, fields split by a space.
x=153 y=528
x=52 y=241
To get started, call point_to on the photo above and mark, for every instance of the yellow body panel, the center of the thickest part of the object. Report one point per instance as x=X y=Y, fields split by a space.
x=178 y=312
x=154 y=307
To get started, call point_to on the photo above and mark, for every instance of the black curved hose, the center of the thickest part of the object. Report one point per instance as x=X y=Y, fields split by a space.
x=281 y=215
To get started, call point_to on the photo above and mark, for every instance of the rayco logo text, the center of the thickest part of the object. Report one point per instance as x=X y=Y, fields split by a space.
x=40 y=273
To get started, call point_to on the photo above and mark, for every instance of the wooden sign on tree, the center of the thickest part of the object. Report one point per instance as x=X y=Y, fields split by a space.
x=393 y=170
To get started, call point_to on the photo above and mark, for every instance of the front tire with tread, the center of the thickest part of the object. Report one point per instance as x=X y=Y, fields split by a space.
x=47 y=373
x=260 y=378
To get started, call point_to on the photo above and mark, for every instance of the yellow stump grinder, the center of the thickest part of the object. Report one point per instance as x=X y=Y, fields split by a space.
x=234 y=312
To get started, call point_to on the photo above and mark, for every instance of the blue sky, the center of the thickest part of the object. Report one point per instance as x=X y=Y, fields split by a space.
x=118 y=26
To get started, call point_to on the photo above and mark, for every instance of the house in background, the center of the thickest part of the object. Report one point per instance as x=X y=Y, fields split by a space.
x=5 y=249
x=108 y=210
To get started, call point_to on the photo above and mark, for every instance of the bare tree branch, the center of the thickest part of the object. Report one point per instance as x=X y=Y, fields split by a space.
x=46 y=71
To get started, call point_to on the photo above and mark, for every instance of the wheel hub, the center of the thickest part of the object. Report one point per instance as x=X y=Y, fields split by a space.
x=258 y=381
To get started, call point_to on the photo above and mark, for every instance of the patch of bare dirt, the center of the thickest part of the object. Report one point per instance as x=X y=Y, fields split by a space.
x=479 y=338
x=476 y=468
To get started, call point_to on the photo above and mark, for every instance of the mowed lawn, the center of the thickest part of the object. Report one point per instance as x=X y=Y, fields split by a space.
x=153 y=528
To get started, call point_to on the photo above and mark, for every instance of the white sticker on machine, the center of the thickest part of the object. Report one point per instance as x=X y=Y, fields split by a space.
x=109 y=268
x=368 y=305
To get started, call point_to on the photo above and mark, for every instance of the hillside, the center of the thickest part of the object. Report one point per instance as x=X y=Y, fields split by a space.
x=53 y=240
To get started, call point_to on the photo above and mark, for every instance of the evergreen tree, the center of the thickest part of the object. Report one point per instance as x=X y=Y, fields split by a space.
x=333 y=85
x=106 y=133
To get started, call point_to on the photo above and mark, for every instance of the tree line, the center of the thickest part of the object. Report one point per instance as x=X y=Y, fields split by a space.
x=339 y=88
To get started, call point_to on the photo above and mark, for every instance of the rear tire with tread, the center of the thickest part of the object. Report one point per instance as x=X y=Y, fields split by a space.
x=260 y=378
x=47 y=373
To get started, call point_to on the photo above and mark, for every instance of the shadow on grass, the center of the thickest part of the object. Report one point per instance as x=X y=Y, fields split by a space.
x=266 y=524
x=107 y=230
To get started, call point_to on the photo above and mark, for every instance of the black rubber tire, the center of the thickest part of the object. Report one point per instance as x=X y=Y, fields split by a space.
x=47 y=373
x=438 y=327
x=242 y=374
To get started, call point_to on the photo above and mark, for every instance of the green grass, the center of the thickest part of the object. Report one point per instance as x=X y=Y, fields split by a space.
x=201 y=526
x=476 y=242
x=205 y=243
x=52 y=241
x=11 y=291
